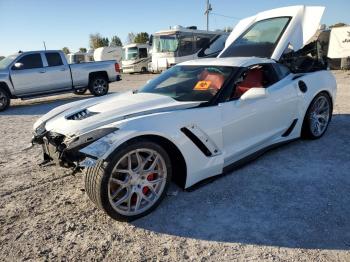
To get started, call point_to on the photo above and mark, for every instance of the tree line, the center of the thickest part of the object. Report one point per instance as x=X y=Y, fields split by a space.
x=97 y=40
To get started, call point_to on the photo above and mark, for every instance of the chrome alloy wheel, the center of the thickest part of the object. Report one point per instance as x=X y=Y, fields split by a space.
x=100 y=86
x=319 y=116
x=137 y=181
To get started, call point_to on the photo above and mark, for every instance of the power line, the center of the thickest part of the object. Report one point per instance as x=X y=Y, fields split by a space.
x=232 y=17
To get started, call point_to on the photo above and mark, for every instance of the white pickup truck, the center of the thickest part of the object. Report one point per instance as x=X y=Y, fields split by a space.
x=34 y=74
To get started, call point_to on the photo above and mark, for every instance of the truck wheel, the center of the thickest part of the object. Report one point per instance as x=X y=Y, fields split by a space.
x=80 y=91
x=4 y=99
x=143 y=70
x=132 y=183
x=98 y=85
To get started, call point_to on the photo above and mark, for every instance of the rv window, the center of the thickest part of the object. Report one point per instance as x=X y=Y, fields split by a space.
x=31 y=61
x=165 y=43
x=186 y=45
x=54 y=59
x=142 y=52
x=201 y=41
x=215 y=47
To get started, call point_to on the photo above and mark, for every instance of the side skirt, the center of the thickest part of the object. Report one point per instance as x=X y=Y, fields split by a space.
x=238 y=164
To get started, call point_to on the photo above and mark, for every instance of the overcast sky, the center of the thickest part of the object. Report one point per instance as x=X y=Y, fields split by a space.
x=26 y=23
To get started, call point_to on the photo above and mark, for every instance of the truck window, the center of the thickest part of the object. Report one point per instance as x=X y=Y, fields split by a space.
x=142 y=52
x=54 y=59
x=31 y=61
x=201 y=41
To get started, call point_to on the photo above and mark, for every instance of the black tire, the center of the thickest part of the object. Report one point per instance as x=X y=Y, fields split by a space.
x=80 y=91
x=4 y=99
x=306 y=131
x=143 y=70
x=97 y=179
x=98 y=85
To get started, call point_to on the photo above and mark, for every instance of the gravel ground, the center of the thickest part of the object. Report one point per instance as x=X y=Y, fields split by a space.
x=291 y=204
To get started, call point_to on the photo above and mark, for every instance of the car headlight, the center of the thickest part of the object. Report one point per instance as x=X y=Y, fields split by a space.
x=40 y=130
x=89 y=137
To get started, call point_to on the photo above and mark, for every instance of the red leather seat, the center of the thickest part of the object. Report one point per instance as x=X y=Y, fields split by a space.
x=216 y=79
x=254 y=78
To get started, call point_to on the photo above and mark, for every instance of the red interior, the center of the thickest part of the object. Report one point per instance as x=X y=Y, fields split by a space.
x=216 y=79
x=254 y=78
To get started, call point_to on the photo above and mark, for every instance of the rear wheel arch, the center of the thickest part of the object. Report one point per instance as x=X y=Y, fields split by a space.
x=177 y=160
x=325 y=92
x=93 y=75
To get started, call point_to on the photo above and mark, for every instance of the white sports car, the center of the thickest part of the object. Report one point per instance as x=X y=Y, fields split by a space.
x=200 y=118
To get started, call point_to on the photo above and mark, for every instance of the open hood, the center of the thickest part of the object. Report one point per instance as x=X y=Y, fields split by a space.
x=269 y=34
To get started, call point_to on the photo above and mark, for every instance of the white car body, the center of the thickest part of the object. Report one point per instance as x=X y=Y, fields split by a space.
x=209 y=139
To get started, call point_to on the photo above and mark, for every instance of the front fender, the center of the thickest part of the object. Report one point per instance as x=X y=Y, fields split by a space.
x=199 y=166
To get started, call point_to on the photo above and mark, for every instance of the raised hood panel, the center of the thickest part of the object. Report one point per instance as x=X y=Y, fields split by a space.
x=305 y=20
x=106 y=110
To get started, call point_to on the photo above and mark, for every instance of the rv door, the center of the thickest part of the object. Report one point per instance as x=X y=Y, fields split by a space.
x=270 y=33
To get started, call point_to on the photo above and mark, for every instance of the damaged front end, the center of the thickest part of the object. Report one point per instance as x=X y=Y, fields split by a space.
x=64 y=150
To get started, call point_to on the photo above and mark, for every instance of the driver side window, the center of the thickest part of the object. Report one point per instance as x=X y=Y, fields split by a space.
x=257 y=76
x=30 y=61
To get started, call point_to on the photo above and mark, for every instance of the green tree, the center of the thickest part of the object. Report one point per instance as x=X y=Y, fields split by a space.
x=141 y=38
x=66 y=50
x=130 y=38
x=115 y=41
x=82 y=50
x=96 y=41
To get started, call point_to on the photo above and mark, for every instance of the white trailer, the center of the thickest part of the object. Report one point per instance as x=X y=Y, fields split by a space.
x=135 y=58
x=180 y=44
x=108 y=53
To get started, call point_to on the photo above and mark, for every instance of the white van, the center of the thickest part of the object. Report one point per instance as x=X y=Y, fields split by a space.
x=135 y=58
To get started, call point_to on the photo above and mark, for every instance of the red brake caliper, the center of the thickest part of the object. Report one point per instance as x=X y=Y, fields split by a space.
x=150 y=177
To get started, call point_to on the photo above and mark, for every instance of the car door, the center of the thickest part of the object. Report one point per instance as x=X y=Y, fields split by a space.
x=251 y=123
x=28 y=74
x=57 y=72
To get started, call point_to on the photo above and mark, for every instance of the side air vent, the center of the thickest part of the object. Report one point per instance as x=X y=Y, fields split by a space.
x=196 y=141
x=302 y=86
x=81 y=115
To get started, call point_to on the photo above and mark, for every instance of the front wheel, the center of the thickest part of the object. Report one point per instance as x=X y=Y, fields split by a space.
x=98 y=85
x=4 y=99
x=80 y=91
x=133 y=182
x=317 y=117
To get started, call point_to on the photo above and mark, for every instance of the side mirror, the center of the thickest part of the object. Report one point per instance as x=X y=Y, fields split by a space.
x=254 y=93
x=17 y=66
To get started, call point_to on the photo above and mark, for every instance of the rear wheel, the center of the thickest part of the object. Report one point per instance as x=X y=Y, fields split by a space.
x=4 y=99
x=133 y=183
x=317 y=117
x=98 y=85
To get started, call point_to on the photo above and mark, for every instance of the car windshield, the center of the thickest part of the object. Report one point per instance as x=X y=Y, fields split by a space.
x=4 y=63
x=130 y=53
x=189 y=83
x=165 y=43
x=259 y=40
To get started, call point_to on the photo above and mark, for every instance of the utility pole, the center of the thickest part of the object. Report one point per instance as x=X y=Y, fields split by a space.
x=207 y=11
x=44 y=45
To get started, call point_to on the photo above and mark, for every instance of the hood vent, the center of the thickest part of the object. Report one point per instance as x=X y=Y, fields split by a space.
x=81 y=115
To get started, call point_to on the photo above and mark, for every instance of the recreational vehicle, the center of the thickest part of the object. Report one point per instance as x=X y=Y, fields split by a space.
x=108 y=53
x=180 y=44
x=77 y=58
x=135 y=58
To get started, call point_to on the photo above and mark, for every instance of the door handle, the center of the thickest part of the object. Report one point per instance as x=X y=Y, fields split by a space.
x=42 y=71
x=63 y=69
